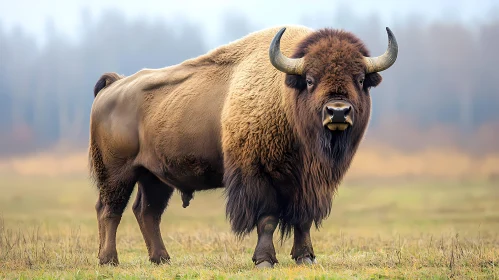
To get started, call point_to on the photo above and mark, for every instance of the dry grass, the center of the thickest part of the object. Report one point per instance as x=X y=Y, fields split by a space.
x=408 y=230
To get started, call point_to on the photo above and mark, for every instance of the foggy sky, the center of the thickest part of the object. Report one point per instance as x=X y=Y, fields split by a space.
x=33 y=15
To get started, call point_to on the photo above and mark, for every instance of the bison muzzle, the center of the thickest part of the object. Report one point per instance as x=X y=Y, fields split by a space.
x=274 y=118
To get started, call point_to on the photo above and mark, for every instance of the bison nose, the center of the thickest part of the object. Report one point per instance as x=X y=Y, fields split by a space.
x=338 y=115
x=338 y=111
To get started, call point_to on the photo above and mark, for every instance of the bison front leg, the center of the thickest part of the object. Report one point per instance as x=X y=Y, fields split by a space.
x=302 y=251
x=264 y=255
x=152 y=199
x=251 y=202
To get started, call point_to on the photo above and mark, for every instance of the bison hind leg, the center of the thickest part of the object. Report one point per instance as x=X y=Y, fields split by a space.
x=114 y=194
x=115 y=180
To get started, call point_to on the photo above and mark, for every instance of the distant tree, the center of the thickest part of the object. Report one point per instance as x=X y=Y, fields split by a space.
x=444 y=75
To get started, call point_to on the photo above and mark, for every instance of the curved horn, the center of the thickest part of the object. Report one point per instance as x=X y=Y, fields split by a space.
x=293 y=66
x=384 y=61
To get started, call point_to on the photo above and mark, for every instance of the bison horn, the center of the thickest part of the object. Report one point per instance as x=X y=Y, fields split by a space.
x=384 y=61
x=293 y=66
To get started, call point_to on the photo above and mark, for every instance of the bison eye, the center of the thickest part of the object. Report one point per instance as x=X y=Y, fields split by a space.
x=310 y=82
x=361 y=81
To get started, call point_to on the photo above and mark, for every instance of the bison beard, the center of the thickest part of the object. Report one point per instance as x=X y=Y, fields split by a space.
x=336 y=146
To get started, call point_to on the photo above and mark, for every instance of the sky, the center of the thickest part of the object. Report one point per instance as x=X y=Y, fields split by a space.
x=32 y=15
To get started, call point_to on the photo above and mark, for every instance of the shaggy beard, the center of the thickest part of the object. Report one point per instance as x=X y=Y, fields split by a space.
x=335 y=146
x=326 y=157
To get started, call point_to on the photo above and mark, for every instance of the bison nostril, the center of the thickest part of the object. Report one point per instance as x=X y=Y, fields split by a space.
x=330 y=110
x=347 y=110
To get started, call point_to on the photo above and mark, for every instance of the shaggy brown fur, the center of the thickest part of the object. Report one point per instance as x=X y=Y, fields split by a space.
x=334 y=58
x=230 y=119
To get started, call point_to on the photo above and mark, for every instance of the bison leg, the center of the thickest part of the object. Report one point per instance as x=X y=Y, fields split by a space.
x=264 y=255
x=152 y=199
x=302 y=251
x=110 y=206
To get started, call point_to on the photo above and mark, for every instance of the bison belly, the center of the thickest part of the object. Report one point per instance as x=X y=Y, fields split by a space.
x=189 y=174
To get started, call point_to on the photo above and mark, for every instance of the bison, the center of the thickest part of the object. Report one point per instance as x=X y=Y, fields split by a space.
x=274 y=118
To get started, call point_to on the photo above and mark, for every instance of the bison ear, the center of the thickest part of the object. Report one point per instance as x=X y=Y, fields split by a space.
x=372 y=80
x=296 y=81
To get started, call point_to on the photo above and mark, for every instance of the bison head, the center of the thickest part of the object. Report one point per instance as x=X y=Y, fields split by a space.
x=329 y=77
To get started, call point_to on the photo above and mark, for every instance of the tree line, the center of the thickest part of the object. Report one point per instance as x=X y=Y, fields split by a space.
x=445 y=74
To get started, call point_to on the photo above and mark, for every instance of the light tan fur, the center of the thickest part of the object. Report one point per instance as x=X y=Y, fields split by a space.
x=170 y=112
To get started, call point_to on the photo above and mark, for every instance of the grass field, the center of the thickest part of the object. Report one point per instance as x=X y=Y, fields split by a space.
x=413 y=230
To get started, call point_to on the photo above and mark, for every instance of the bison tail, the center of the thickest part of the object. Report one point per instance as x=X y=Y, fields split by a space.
x=98 y=172
x=105 y=80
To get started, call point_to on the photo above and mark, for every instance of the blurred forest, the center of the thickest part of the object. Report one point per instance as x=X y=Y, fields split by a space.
x=442 y=90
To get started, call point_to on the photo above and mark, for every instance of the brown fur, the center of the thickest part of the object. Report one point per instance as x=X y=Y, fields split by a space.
x=332 y=57
x=230 y=119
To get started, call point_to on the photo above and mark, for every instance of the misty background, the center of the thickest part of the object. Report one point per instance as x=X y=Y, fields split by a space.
x=442 y=91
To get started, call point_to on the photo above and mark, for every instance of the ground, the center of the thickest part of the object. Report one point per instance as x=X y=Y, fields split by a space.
x=399 y=229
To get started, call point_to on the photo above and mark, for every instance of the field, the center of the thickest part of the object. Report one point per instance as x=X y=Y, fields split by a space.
x=402 y=229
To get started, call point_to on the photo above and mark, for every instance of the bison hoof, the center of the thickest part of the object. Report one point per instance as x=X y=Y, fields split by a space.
x=109 y=260
x=161 y=258
x=305 y=261
x=264 y=264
